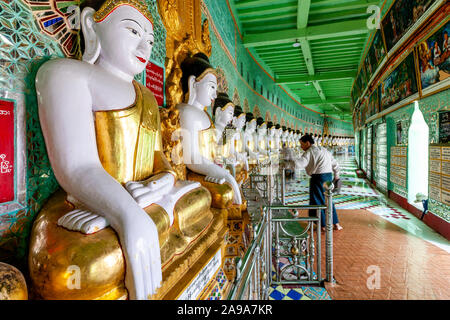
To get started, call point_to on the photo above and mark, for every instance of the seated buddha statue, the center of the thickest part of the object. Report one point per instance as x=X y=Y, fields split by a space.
x=271 y=137
x=298 y=135
x=250 y=139
x=291 y=138
x=262 y=145
x=326 y=140
x=199 y=143
x=319 y=140
x=237 y=149
x=284 y=135
x=102 y=132
x=278 y=133
x=223 y=111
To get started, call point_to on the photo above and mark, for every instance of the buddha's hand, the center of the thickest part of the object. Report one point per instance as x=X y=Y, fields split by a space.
x=152 y=190
x=237 y=199
x=83 y=221
x=139 y=239
x=227 y=177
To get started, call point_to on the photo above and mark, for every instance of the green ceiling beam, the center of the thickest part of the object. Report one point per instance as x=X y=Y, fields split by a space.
x=265 y=10
x=303 y=13
x=362 y=4
x=260 y=27
x=327 y=101
x=332 y=53
x=273 y=56
x=252 y=3
x=337 y=29
x=358 y=38
x=322 y=76
x=267 y=19
x=324 y=17
x=306 y=49
x=319 y=90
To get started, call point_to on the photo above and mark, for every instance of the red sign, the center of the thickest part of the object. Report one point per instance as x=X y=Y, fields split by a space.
x=155 y=81
x=6 y=151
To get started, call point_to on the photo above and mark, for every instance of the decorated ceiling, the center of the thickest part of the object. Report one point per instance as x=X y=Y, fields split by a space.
x=312 y=48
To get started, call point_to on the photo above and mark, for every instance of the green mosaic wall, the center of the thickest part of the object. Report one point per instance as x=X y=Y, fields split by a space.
x=23 y=48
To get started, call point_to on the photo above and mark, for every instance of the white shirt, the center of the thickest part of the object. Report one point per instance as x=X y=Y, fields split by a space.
x=318 y=160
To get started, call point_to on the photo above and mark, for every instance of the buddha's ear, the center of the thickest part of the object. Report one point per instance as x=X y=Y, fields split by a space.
x=91 y=42
x=192 y=91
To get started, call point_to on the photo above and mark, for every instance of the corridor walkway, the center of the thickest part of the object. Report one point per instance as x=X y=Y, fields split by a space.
x=384 y=252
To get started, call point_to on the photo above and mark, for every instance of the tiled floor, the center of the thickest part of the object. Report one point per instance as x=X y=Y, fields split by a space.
x=384 y=252
x=407 y=267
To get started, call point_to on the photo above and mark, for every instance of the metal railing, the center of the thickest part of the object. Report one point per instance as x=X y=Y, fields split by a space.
x=280 y=234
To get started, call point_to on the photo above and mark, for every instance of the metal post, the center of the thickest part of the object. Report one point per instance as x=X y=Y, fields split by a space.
x=283 y=187
x=328 y=186
x=268 y=250
x=319 y=245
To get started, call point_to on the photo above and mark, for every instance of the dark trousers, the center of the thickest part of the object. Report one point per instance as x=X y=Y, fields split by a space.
x=317 y=196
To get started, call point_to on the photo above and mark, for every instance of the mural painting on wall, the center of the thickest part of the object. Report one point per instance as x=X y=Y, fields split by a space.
x=275 y=119
x=400 y=84
x=375 y=55
x=359 y=85
x=402 y=15
x=434 y=57
x=6 y=151
x=282 y=122
x=267 y=118
x=374 y=103
x=365 y=72
x=59 y=20
x=363 y=113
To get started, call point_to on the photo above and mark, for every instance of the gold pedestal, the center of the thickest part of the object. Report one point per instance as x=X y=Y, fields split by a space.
x=58 y=256
x=178 y=276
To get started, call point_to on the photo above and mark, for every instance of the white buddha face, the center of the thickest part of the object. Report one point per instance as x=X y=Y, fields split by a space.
x=126 y=40
x=239 y=122
x=206 y=90
x=225 y=116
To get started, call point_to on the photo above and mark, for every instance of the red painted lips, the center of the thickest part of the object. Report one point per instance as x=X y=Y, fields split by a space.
x=141 y=59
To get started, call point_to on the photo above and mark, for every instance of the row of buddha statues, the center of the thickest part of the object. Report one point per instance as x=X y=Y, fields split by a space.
x=123 y=216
